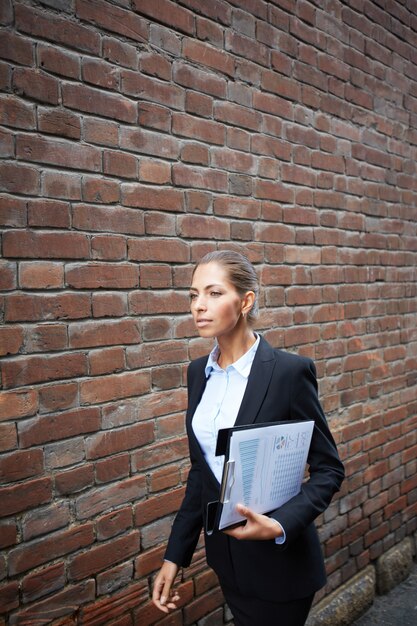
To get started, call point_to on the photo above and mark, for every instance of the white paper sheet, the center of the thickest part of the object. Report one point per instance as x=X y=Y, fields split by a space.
x=265 y=468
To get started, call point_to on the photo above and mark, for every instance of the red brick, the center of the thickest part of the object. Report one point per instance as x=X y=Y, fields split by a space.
x=34 y=369
x=102 y=275
x=16 y=48
x=59 y=61
x=114 y=523
x=103 y=389
x=8 y=437
x=61 y=604
x=32 y=244
x=115 y=606
x=120 y=164
x=146 y=355
x=199 y=80
x=43 y=582
x=18 y=178
x=247 y=47
x=20 y=465
x=87 y=334
x=20 y=307
x=150 y=456
x=156 y=172
x=18 y=404
x=17 y=113
x=288 y=88
x=106 y=361
x=73 y=480
x=165 y=250
x=25 y=496
x=8 y=534
x=77 y=421
x=12 y=212
x=139 y=85
x=61 y=185
x=41 y=275
x=197 y=226
x=154 y=116
x=110 y=496
x=11 y=340
x=108 y=247
x=51 y=151
x=111 y=304
x=46 y=519
x=237 y=115
x=155 y=65
x=9 y=597
x=110 y=469
x=92 y=100
x=45 y=212
x=57 y=29
x=149 y=561
x=34 y=84
x=199 y=177
x=119 y=52
x=157 y=506
x=147 y=142
x=8 y=276
x=198 y=104
x=141 y=196
x=168 y=13
x=113 y=18
x=111 y=442
x=30 y=555
x=102 y=132
x=103 y=556
x=208 y=56
x=156 y=276
x=195 y=128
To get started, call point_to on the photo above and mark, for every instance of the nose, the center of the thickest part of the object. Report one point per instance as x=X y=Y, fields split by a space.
x=200 y=303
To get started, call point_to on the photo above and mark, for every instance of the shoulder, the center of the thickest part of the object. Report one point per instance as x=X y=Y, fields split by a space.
x=288 y=360
x=197 y=365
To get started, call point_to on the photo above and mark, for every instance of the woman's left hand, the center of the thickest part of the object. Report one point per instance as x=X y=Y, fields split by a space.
x=257 y=526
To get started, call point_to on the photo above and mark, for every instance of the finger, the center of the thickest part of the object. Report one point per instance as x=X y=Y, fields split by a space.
x=166 y=591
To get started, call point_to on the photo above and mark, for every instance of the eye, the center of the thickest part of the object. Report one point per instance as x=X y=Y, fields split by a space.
x=215 y=294
x=193 y=296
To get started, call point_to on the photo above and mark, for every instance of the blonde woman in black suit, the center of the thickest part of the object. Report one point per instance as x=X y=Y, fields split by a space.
x=270 y=567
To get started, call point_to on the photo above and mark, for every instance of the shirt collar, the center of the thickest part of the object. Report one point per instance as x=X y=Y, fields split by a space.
x=242 y=365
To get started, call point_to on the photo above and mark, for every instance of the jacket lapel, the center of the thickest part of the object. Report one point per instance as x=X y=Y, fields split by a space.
x=258 y=382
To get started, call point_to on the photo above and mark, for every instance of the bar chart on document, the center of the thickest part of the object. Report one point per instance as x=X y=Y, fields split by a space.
x=265 y=467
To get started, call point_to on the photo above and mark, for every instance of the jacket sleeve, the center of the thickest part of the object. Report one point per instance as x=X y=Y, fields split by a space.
x=326 y=472
x=188 y=522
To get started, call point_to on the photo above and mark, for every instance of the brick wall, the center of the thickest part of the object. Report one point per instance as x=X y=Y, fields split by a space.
x=136 y=136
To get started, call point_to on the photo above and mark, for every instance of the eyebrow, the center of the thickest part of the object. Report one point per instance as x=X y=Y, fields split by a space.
x=207 y=287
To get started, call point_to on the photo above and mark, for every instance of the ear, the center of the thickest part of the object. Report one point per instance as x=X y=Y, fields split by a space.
x=248 y=301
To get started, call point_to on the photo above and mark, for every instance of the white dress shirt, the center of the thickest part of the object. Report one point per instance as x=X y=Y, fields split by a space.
x=220 y=404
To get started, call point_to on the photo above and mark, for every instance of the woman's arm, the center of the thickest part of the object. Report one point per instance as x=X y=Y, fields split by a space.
x=326 y=471
x=325 y=468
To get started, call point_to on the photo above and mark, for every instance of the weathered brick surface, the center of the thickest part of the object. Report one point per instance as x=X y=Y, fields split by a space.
x=135 y=137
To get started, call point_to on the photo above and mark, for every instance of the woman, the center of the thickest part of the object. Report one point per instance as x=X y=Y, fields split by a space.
x=270 y=567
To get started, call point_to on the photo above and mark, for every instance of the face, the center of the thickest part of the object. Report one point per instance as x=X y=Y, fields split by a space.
x=215 y=303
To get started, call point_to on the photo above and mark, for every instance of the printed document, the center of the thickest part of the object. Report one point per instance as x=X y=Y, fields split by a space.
x=264 y=468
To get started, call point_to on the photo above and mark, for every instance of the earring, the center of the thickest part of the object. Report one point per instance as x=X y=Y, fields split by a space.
x=243 y=314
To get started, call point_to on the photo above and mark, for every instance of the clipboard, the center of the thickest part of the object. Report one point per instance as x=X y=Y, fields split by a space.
x=264 y=468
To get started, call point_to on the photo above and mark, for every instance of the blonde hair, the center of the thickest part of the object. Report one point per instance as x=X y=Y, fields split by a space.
x=240 y=273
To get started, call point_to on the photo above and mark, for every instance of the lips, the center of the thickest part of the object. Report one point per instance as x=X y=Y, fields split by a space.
x=202 y=322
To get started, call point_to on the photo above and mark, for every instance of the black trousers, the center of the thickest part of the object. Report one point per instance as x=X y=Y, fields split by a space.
x=254 y=612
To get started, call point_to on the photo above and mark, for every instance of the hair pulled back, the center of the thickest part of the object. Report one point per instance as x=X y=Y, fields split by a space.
x=240 y=273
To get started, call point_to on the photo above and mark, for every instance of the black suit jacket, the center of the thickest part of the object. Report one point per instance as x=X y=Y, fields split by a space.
x=281 y=386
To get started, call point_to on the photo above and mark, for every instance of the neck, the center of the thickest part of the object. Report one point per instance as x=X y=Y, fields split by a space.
x=234 y=346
